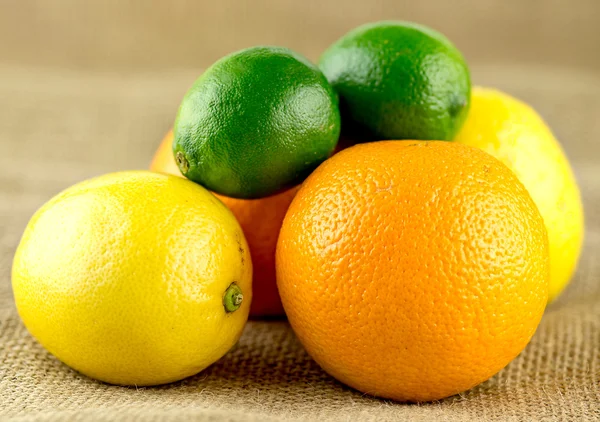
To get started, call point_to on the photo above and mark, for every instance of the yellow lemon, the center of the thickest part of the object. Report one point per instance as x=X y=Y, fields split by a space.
x=513 y=132
x=134 y=278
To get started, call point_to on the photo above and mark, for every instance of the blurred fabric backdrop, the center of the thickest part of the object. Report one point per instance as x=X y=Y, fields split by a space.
x=89 y=87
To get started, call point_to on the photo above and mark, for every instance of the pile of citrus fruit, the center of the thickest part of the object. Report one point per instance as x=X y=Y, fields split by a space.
x=414 y=257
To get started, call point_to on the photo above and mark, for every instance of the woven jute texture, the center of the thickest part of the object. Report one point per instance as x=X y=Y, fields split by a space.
x=60 y=124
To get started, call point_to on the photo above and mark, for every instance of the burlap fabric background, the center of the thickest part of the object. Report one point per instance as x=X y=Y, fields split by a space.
x=90 y=87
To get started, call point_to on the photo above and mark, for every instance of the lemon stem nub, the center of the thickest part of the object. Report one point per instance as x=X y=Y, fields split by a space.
x=233 y=297
x=182 y=162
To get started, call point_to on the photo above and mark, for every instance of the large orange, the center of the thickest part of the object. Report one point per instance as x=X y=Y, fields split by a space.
x=260 y=220
x=413 y=270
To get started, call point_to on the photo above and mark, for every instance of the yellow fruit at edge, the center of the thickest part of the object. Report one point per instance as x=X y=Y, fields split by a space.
x=514 y=133
x=125 y=278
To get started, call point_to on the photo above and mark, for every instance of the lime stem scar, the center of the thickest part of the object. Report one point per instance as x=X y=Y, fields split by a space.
x=233 y=297
x=182 y=162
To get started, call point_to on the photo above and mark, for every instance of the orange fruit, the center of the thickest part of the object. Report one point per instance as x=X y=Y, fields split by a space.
x=260 y=220
x=413 y=270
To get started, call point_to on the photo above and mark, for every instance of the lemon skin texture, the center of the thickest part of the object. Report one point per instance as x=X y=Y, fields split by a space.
x=126 y=278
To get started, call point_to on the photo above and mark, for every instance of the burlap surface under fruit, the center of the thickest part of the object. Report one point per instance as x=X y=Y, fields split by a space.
x=59 y=126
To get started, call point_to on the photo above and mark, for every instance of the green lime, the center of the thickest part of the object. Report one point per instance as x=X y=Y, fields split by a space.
x=398 y=80
x=256 y=122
